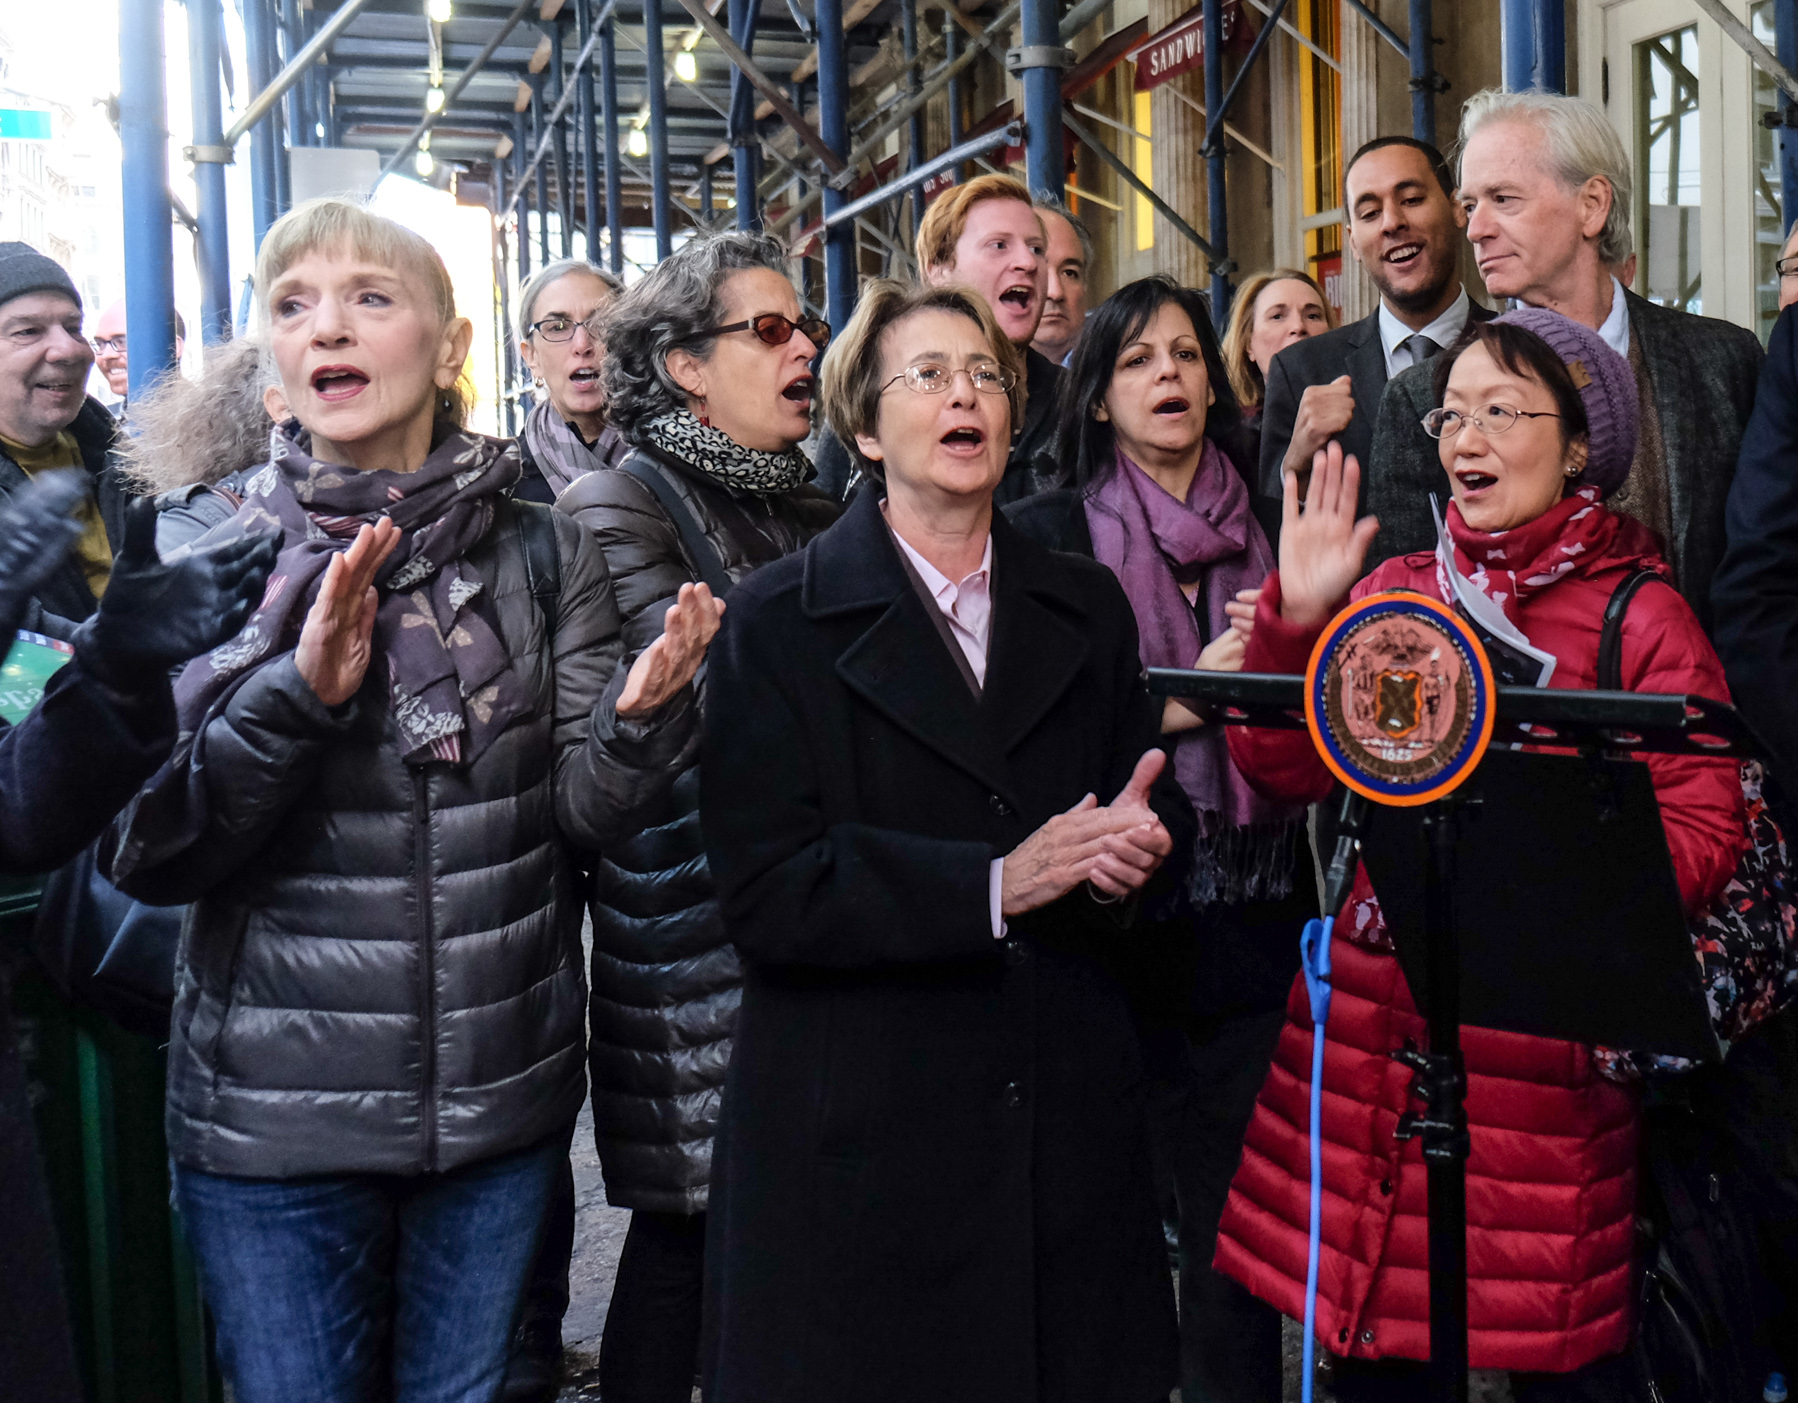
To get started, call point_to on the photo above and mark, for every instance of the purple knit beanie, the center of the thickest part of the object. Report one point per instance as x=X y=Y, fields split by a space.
x=1606 y=384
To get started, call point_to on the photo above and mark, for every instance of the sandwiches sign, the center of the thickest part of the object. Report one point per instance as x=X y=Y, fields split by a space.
x=1180 y=47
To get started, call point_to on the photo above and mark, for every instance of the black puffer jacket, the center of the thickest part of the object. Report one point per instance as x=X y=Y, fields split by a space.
x=381 y=970
x=666 y=984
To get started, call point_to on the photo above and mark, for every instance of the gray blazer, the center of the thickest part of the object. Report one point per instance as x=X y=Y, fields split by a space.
x=1702 y=373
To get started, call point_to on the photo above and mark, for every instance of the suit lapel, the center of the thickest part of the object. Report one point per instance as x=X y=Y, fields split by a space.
x=1367 y=368
x=1037 y=648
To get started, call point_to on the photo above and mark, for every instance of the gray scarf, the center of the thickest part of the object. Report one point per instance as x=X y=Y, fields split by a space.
x=559 y=453
x=715 y=453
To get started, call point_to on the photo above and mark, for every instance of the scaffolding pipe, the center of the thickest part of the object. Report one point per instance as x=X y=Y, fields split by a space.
x=539 y=135
x=1424 y=80
x=270 y=91
x=558 y=134
x=1379 y=26
x=1039 y=62
x=1136 y=183
x=583 y=82
x=840 y=273
x=1534 y=45
x=521 y=197
x=1216 y=200
x=1011 y=135
x=423 y=129
x=204 y=22
x=265 y=203
x=1785 y=42
x=908 y=39
x=1215 y=125
x=1778 y=69
x=655 y=74
x=952 y=84
x=608 y=103
x=144 y=172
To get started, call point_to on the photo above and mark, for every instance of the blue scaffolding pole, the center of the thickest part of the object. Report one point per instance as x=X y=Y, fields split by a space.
x=743 y=139
x=833 y=122
x=522 y=187
x=1216 y=201
x=537 y=129
x=1425 y=81
x=204 y=23
x=149 y=240
x=559 y=136
x=589 y=132
x=265 y=199
x=1038 y=64
x=608 y=97
x=655 y=74
x=1535 y=45
x=1785 y=49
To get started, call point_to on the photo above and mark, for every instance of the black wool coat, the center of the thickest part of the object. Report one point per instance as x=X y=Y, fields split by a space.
x=932 y=1178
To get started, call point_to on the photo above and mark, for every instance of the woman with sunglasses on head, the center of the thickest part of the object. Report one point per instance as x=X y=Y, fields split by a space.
x=708 y=375
x=1160 y=466
x=932 y=803
x=559 y=321
x=1536 y=424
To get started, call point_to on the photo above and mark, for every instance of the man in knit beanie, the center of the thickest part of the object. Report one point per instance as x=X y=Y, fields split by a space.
x=1546 y=184
x=47 y=421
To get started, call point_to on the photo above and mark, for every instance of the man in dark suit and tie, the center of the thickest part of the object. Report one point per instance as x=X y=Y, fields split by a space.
x=1405 y=229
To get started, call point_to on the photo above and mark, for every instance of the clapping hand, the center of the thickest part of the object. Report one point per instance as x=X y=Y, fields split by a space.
x=36 y=531
x=1322 y=546
x=671 y=662
x=335 y=641
x=1116 y=847
x=157 y=614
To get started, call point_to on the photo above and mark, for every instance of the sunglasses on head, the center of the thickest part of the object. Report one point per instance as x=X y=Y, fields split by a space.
x=772 y=329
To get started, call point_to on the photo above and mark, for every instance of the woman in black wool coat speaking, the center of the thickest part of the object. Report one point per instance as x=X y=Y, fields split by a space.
x=932 y=1179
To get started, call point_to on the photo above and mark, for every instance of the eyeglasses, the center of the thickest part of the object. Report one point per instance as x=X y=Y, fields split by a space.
x=110 y=344
x=988 y=377
x=1493 y=419
x=562 y=328
x=772 y=329
x=1787 y=267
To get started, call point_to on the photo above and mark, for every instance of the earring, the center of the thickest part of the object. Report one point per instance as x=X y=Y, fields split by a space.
x=704 y=418
x=1575 y=470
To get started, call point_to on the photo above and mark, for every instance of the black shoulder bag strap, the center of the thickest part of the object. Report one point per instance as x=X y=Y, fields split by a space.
x=701 y=554
x=542 y=562
x=1610 y=637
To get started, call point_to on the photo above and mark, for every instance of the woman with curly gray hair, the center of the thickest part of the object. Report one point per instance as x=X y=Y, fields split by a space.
x=708 y=375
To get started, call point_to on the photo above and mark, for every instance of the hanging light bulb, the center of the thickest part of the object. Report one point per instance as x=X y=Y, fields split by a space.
x=637 y=143
x=438 y=11
x=433 y=99
x=686 y=66
x=424 y=164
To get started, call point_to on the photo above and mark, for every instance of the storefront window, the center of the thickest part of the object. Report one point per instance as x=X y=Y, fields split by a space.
x=1667 y=172
x=1320 y=116
x=1769 y=214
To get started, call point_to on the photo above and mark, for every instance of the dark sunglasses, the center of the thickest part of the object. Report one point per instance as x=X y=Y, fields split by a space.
x=772 y=329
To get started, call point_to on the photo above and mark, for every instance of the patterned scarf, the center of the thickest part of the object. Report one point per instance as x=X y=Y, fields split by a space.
x=715 y=453
x=1510 y=566
x=450 y=684
x=561 y=455
x=1153 y=544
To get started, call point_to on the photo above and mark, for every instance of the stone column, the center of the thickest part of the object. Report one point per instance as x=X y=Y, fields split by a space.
x=1360 y=90
x=1179 y=169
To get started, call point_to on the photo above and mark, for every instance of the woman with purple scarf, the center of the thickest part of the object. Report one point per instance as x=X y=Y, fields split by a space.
x=1158 y=457
x=377 y=1051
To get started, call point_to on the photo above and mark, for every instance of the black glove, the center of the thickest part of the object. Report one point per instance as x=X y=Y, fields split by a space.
x=156 y=615
x=36 y=532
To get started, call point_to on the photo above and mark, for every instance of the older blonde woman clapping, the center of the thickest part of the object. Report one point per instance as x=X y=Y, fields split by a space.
x=377 y=1050
x=932 y=1129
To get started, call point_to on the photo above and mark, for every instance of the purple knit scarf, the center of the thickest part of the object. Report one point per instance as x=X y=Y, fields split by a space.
x=1153 y=543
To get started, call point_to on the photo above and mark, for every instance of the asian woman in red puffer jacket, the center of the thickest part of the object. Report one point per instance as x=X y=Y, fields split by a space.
x=1537 y=426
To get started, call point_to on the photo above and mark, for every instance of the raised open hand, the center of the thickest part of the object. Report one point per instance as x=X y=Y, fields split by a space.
x=157 y=614
x=36 y=531
x=669 y=664
x=1322 y=546
x=334 y=645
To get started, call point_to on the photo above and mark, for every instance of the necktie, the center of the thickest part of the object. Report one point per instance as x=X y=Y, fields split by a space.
x=1422 y=347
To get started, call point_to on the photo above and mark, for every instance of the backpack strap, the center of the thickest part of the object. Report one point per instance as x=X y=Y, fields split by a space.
x=536 y=525
x=1610 y=637
x=701 y=554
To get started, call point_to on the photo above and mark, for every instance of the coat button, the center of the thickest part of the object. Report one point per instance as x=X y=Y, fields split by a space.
x=1015 y=953
x=1014 y=1095
x=999 y=806
x=1367 y=1337
x=1386 y=1186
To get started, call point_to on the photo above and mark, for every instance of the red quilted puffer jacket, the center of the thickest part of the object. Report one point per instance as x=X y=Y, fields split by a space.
x=1551 y=1179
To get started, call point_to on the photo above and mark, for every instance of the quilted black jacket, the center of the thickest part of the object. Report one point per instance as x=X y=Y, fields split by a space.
x=381 y=969
x=666 y=982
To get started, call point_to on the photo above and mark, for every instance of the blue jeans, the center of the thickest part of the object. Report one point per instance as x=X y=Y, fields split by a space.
x=356 y=1288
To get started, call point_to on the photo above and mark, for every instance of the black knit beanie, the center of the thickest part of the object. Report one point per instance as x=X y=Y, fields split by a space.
x=23 y=269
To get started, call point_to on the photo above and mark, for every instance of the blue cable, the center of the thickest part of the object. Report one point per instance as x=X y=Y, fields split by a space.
x=1314 y=953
